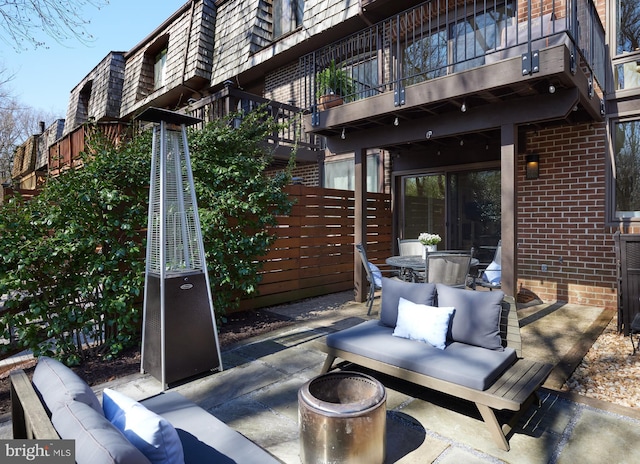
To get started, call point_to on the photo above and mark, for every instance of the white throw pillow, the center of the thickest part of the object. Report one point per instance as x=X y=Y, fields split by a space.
x=152 y=434
x=377 y=274
x=428 y=324
x=493 y=273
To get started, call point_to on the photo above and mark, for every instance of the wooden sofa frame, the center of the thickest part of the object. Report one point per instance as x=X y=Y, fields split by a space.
x=30 y=420
x=515 y=390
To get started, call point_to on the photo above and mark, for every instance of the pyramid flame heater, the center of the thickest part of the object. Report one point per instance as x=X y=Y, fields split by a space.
x=179 y=334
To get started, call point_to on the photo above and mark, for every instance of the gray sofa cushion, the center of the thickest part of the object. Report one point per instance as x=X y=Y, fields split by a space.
x=206 y=439
x=462 y=364
x=476 y=320
x=97 y=440
x=393 y=289
x=58 y=385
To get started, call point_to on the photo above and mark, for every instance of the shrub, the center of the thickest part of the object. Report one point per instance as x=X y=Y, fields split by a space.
x=237 y=202
x=72 y=260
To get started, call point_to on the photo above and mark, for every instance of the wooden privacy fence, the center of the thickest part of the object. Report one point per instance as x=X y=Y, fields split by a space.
x=314 y=252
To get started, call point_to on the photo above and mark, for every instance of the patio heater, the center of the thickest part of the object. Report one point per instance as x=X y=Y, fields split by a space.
x=179 y=334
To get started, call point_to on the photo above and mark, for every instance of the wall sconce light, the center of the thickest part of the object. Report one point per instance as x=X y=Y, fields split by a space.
x=343 y=135
x=463 y=107
x=396 y=121
x=429 y=134
x=552 y=88
x=533 y=166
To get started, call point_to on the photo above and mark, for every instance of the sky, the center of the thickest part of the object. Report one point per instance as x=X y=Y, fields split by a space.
x=44 y=78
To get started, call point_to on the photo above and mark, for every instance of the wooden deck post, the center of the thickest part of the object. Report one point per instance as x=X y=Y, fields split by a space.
x=360 y=222
x=509 y=207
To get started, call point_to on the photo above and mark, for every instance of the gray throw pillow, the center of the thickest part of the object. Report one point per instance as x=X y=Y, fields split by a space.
x=58 y=385
x=393 y=289
x=97 y=440
x=476 y=319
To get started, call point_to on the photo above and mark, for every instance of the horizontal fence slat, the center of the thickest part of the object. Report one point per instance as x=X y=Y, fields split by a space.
x=314 y=254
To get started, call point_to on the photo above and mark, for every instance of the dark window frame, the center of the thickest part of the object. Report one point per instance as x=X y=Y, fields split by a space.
x=293 y=7
x=146 y=80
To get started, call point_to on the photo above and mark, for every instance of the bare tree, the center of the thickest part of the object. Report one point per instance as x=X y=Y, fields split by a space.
x=17 y=123
x=628 y=26
x=21 y=21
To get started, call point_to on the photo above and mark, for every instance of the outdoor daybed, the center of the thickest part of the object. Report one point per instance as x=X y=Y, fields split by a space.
x=461 y=342
x=164 y=428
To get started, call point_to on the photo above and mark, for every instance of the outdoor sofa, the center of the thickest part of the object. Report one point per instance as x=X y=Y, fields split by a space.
x=460 y=342
x=164 y=428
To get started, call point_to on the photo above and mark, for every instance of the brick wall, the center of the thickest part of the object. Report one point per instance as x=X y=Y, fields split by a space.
x=566 y=251
x=309 y=173
x=285 y=85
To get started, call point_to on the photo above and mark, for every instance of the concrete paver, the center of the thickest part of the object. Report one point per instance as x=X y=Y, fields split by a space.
x=256 y=394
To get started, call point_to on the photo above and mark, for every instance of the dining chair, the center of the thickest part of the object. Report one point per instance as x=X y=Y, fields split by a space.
x=374 y=275
x=490 y=276
x=448 y=268
x=409 y=246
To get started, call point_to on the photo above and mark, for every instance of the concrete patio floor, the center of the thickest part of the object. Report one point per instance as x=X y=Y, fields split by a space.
x=256 y=394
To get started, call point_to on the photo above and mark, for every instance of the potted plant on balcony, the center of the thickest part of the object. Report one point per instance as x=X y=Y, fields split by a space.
x=333 y=86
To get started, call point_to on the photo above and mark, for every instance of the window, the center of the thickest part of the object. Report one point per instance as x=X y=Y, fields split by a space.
x=365 y=77
x=626 y=147
x=627 y=26
x=627 y=29
x=153 y=72
x=426 y=58
x=340 y=174
x=479 y=34
x=462 y=207
x=84 y=97
x=159 y=69
x=287 y=16
x=627 y=74
x=462 y=44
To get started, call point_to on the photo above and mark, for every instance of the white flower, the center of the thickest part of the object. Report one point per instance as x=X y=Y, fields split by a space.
x=429 y=239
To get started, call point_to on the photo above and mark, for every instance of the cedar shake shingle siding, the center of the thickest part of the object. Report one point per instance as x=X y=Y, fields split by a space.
x=97 y=96
x=244 y=32
x=188 y=38
x=50 y=135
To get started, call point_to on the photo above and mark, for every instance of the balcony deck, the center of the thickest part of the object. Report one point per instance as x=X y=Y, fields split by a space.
x=523 y=99
x=427 y=62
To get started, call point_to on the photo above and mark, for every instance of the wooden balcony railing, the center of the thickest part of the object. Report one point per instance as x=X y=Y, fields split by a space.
x=231 y=100
x=66 y=152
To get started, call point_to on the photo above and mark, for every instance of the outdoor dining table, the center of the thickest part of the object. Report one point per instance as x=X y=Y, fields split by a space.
x=411 y=265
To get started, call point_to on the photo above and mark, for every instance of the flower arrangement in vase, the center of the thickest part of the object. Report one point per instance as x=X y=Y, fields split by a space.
x=430 y=242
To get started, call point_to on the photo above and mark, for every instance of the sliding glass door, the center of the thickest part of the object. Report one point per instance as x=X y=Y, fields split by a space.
x=424 y=205
x=462 y=206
